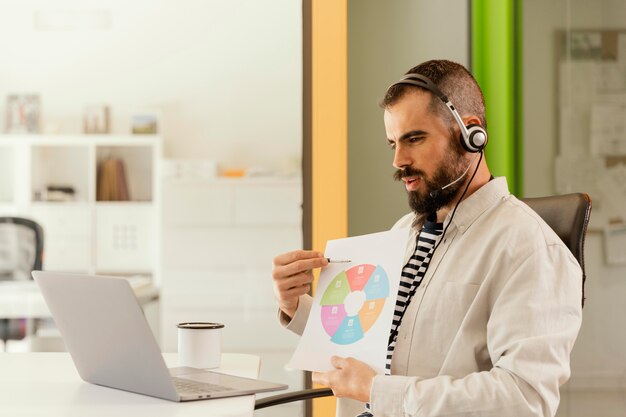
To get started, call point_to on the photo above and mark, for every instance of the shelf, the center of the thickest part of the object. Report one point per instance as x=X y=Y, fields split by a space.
x=61 y=166
x=59 y=204
x=147 y=204
x=83 y=234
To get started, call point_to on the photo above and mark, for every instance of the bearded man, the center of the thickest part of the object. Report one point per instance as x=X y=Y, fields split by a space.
x=489 y=304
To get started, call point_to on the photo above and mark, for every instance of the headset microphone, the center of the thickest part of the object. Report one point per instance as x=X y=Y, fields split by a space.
x=435 y=193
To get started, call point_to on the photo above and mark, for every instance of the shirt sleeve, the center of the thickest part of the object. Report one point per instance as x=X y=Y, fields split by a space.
x=297 y=323
x=533 y=322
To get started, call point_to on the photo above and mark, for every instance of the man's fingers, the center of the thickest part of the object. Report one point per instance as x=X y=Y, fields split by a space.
x=338 y=362
x=294 y=293
x=320 y=378
x=299 y=266
x=324 y=378
x=293 y=281
x=296 y=255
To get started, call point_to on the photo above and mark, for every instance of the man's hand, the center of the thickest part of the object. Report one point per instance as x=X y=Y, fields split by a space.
x=292 y=276
x=351 y=378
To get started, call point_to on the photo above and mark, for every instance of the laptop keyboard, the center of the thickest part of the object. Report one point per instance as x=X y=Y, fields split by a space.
x=193 y=387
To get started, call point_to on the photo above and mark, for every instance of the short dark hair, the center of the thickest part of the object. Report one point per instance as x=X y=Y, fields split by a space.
x=454 y=80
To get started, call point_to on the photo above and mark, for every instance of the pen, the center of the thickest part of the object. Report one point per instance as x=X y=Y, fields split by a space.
x=338 y=261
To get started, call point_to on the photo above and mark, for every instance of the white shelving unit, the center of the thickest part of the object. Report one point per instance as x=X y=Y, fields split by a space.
x=86 y=235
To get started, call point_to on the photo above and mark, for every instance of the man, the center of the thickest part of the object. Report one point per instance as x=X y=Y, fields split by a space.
x=489 y=305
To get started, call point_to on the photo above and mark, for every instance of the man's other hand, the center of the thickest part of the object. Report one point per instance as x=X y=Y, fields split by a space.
x=351 y=378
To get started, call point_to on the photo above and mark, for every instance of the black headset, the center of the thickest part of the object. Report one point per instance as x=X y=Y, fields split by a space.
x=473 y=137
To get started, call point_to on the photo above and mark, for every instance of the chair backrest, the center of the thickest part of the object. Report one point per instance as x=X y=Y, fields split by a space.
x=568 y=215
x=21 y=248
x=21 y=252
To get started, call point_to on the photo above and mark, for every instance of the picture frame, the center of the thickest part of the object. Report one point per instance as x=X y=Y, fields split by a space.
x=23 y=114
x=97 y=119
x=145 y=122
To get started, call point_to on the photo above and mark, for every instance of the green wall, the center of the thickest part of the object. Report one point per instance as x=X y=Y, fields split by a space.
x=496 y=64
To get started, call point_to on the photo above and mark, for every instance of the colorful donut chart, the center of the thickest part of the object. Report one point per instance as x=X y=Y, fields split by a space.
x=353 y=301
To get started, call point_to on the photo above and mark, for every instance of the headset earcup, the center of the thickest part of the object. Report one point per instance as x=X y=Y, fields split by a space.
x=476 y=138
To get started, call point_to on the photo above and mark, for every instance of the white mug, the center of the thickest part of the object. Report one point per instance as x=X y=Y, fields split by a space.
x=200 y=344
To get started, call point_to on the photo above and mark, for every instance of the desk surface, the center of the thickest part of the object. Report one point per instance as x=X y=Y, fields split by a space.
x=47 y=384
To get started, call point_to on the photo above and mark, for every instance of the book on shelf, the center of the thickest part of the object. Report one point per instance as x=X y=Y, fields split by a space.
x=112 y=184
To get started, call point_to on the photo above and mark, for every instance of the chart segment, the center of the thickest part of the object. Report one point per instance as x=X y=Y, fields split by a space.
x=369 y=313
x=332 y=317
x=353 y=302
x=358 y=276
x=349 y=331
x=377 y=286
x=337 y=291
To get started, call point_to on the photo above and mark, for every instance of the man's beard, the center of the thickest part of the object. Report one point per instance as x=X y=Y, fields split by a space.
x=450 y=169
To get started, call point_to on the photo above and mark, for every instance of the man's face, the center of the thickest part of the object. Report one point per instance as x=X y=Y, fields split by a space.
x=427 y=157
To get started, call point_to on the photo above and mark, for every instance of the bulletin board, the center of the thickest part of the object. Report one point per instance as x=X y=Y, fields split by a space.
x=592 y=128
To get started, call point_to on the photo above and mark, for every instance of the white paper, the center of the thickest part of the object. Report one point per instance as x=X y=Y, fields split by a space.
x=615 y=244
x=583 y=173
x=354 y=302
x=608 y=129
x=621 y=47
x=609 y=77
x=577 y=173
x=614 y=188
x=576 y=85
x=573 y=131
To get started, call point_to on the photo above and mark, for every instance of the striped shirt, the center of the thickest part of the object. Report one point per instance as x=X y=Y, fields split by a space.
x=411 y=278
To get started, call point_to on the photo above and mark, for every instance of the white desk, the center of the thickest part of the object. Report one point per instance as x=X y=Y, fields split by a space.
x=47 y=384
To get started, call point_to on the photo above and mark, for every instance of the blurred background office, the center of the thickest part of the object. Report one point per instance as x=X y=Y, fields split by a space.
x=179 y=143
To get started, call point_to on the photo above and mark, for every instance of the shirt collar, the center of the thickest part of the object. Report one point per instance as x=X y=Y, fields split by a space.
x=472 y=207
x=477 y=203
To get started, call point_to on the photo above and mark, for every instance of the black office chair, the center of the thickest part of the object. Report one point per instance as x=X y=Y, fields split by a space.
x=21 y=252
x=568 y=215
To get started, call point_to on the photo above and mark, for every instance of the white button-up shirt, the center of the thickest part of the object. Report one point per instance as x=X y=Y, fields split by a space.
x=490 y=330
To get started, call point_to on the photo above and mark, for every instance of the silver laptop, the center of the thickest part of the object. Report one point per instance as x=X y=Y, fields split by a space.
x=111 y=344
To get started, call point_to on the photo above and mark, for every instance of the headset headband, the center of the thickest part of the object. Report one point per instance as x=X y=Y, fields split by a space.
x=474 y=139
x=421 y=81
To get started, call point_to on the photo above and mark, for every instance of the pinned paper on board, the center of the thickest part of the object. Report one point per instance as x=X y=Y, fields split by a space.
x=608 y=129
x=592 y=131
x=354 y=302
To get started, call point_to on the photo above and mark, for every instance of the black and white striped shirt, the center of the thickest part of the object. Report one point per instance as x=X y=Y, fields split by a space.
x=411 y=278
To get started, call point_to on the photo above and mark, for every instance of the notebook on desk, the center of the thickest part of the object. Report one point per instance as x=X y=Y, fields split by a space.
x=111 y=344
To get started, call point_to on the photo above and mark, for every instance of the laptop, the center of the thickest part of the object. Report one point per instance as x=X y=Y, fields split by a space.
x=111 y=344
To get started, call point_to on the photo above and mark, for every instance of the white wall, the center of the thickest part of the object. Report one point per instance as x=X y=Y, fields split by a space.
x=599 y=357
x=386 y=39
x=226 y=75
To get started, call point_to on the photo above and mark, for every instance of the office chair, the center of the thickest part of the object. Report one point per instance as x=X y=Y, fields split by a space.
x=568 y=215
x=21 y=252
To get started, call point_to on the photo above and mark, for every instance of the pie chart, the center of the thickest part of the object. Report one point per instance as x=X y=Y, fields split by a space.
x=353 y=302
